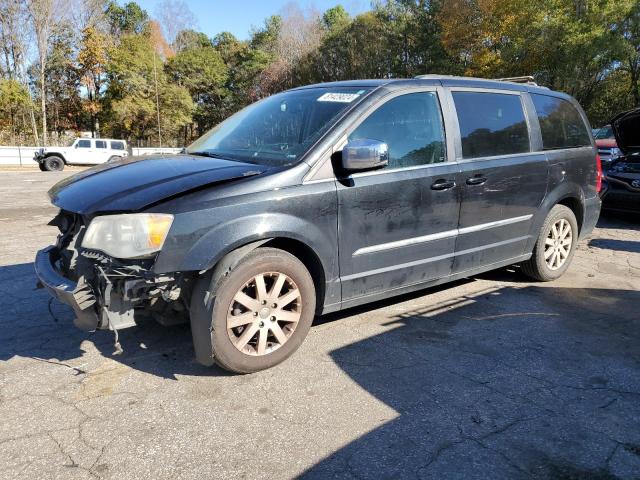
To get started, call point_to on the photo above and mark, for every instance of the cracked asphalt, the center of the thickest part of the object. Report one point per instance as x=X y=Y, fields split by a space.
x=491 y=377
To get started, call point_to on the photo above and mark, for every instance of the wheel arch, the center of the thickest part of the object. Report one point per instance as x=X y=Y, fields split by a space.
x=56 y=154
x=568 y=194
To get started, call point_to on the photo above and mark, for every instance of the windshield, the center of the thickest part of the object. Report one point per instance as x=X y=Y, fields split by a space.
x=604 y=132
x=278 y=130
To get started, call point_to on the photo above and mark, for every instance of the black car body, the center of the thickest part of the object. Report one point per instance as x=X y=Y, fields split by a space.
x=621 y=185
x=409 y=184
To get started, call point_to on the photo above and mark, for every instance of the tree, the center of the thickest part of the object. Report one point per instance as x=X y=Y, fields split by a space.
x=62 y=80
x=45 y=15
x=92 y=60
x=202 y=71
x=188 y=39
x=174 y=16
x=14 y=100
x=630 y=53
x=335 y=19
x=128 y=19
x=134 y=88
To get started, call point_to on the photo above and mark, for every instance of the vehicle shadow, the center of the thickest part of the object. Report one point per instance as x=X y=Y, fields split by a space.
x=511 y=382
x=619 y=245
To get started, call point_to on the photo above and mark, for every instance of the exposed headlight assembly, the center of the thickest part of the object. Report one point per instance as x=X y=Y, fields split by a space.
x=136 y=235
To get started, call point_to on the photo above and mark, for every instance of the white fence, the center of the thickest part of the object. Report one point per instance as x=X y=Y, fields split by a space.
x=154 y=151
x=17 y=156
x=24 y=155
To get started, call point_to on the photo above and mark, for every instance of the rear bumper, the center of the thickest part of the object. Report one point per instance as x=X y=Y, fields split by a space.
x=592 y=207
x=78 y=297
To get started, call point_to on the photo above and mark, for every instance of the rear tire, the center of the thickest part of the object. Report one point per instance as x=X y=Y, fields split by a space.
x=262 y=310
x=113 y=158
x=555 y=246
x=53 y=164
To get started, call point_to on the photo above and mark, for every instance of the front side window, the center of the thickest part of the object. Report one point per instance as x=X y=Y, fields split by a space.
x=101 y=144
x=117 y=145
x=491 y=124
x=560 y=123
x=84 y=143
x=411 y=125
x=280 y=129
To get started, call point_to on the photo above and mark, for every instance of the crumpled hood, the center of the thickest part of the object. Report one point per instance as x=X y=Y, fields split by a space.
x=626 y=128
x=132 y=184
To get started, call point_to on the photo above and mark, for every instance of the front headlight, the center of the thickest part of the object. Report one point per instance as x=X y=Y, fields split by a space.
x=135 y=235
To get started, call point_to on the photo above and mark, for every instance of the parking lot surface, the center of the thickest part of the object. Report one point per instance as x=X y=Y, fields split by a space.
x=491 y=377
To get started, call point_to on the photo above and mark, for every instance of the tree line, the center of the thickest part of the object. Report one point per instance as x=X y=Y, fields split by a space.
x=118 y=71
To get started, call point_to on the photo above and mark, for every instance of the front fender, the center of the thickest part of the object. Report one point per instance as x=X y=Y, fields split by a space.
x=222 y=238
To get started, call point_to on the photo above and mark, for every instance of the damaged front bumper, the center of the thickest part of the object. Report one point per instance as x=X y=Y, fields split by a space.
x=108 y=296
x=77 y=295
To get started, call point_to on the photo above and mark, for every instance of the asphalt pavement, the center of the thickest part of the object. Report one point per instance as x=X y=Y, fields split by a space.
x=491 y=377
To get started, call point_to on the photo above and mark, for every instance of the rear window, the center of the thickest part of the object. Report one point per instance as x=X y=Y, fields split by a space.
x=560 y=123
x=491 y=124
x=117 y=145
x=101 y=144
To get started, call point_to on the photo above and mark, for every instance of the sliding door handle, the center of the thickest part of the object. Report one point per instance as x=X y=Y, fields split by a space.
x=476 y=180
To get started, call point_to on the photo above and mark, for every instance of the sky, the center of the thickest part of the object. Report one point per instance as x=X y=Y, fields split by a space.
x=238 y=16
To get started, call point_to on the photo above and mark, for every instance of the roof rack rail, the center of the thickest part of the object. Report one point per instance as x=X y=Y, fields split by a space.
x=527 y=79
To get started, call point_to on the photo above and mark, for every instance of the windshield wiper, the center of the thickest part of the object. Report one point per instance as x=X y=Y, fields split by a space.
x=204 y=153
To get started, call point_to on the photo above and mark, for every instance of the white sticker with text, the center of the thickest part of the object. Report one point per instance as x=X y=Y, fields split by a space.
x=338 y=97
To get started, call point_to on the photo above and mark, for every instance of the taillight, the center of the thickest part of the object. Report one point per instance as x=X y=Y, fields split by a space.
x=598 y=173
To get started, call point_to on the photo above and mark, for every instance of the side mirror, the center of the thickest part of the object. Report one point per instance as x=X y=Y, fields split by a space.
x=365 y=154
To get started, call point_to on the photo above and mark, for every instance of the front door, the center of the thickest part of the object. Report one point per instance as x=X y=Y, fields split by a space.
x=503 y=182
x=397 y=226
x=82 y=152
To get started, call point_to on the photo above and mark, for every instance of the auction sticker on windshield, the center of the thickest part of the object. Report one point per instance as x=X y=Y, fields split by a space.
x=338 y=97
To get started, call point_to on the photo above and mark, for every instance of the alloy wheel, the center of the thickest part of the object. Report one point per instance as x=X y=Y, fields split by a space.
x=264 y=313
x=558 y=244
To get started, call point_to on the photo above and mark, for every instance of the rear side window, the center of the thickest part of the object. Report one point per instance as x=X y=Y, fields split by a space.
x=411 y=125
x=117 y=145
x=101 y=144
x=560 y=123
x=491 y=124
x=84 y=143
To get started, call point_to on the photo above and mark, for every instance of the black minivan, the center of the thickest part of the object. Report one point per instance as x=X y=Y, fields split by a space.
x=321 y=198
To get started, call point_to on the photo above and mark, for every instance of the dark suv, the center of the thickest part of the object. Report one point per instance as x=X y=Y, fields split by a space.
x=321 y=198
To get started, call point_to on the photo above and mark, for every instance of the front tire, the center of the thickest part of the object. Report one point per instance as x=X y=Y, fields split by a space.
x=555 y=246
x=262 y=310
x=53 y=164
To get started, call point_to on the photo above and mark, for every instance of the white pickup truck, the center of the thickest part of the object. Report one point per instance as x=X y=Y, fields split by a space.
x=83 y=151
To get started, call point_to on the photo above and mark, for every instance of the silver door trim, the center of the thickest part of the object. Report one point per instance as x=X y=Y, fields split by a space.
x=439 y=236
x=391 y=268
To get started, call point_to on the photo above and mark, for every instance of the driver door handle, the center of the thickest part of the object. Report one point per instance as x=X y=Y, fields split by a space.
x=443 y=184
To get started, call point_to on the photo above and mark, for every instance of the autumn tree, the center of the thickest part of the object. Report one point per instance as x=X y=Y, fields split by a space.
x=92 y=62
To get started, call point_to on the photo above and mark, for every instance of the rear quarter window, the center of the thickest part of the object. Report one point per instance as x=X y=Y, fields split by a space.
x=117 y=145
x=560 y=123
x=491 y=124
